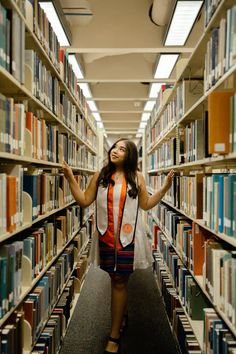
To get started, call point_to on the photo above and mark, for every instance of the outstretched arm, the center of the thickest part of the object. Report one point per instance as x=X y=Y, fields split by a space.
x=146 y=201
x=83 y=198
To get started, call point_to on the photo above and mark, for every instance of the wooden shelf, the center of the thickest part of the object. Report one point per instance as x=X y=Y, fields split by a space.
x=226 y=82
x=230 y=240
x=223 y=237
x=197 y=326
x=59 y=296
x=196 y=62
x=194 y=69
x=8 y=235
x=222 y=160
x=34 y=282
x=199 y=281
x=33 y=42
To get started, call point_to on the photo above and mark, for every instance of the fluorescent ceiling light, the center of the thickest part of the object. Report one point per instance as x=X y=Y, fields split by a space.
x=165 y=65
x=149 y=105
x=53 y=18
x=86 y=90
x=145 y=117
x=75 y=66
x=142 y=125
x=155 y=88
x=92 y=105
x=97 y=117
x=182 y=21
x=140 y=130
x=100 y=125
x=139 y=135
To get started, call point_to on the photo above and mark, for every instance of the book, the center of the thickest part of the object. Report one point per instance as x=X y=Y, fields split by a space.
x=218 y=133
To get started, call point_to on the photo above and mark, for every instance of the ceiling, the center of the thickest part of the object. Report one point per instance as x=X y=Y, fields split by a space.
x=118 y=50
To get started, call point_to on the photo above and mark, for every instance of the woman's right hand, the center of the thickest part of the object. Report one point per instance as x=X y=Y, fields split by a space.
x=67 y=170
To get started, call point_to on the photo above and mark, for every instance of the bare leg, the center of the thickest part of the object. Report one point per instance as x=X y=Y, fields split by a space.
x=119 y=296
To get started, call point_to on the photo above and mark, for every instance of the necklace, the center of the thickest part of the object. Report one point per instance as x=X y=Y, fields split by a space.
x=118 y=176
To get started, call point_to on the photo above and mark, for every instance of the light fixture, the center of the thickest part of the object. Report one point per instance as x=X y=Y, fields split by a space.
x=149 y=105
x=139 y=135
x=140 y=130
x=86 y=90
x=55 y=22
x=100 y=125
x=183 y=18
x=145 y=117
x=92 y=106
x=155 y=88
x=97 y=117
x=142 y=125
x=75 y=66
x=165 y=65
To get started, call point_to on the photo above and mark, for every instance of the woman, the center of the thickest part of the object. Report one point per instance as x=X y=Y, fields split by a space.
x=120 y=192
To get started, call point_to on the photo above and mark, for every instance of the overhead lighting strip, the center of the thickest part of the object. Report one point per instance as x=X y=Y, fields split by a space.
x=53 y=18
x=182 y=21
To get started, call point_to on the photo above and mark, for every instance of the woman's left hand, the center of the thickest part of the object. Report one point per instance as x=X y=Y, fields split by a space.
x=168 y=180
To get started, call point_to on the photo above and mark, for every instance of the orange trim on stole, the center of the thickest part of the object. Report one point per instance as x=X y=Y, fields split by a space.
x=108 y=237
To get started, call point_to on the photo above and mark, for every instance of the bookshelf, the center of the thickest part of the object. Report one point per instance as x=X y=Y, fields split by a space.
x=182 y=134
x=44 y=236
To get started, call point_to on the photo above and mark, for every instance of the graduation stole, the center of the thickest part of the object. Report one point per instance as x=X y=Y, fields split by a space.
x=127 y=218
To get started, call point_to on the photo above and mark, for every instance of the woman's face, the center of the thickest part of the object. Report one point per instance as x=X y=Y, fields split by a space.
x=118 y=153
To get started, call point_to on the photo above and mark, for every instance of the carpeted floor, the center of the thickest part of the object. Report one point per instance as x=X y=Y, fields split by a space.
x=148 y=331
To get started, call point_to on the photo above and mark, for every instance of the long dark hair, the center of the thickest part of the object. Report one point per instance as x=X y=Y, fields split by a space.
x=130 y=168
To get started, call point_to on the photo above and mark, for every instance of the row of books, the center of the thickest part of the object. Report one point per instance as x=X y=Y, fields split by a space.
x=47 y=192
x=162 y=96
x=48 y=340
x=12 y=43
x=41 y=82
x=202 y=256
x=11 y=198
x=39 y=303
x=190 y=144
x=49 y=297
x=44 y=190
x=44 y=86
x=39 y=247
x=68 y=76
x=221 y=49
x=217 y=338
x=202 y=137
x=26 y=65
x=219 y=202
x=181 y=326
x=185 y=194
x=51 y=337
x=44 y=140
x=184 y=284
x=187 y=93
x=84 y=159
x=186 y=236
x=37 y=21
x=12 y=126
x=210 y=197
x=210 y=8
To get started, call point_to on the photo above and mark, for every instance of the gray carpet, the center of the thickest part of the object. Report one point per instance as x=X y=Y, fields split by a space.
x=148 y=330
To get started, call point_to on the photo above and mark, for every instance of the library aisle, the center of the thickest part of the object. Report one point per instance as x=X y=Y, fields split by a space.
x=148 y=330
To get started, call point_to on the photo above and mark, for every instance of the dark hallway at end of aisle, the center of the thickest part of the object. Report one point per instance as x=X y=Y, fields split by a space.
x=148 y=330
